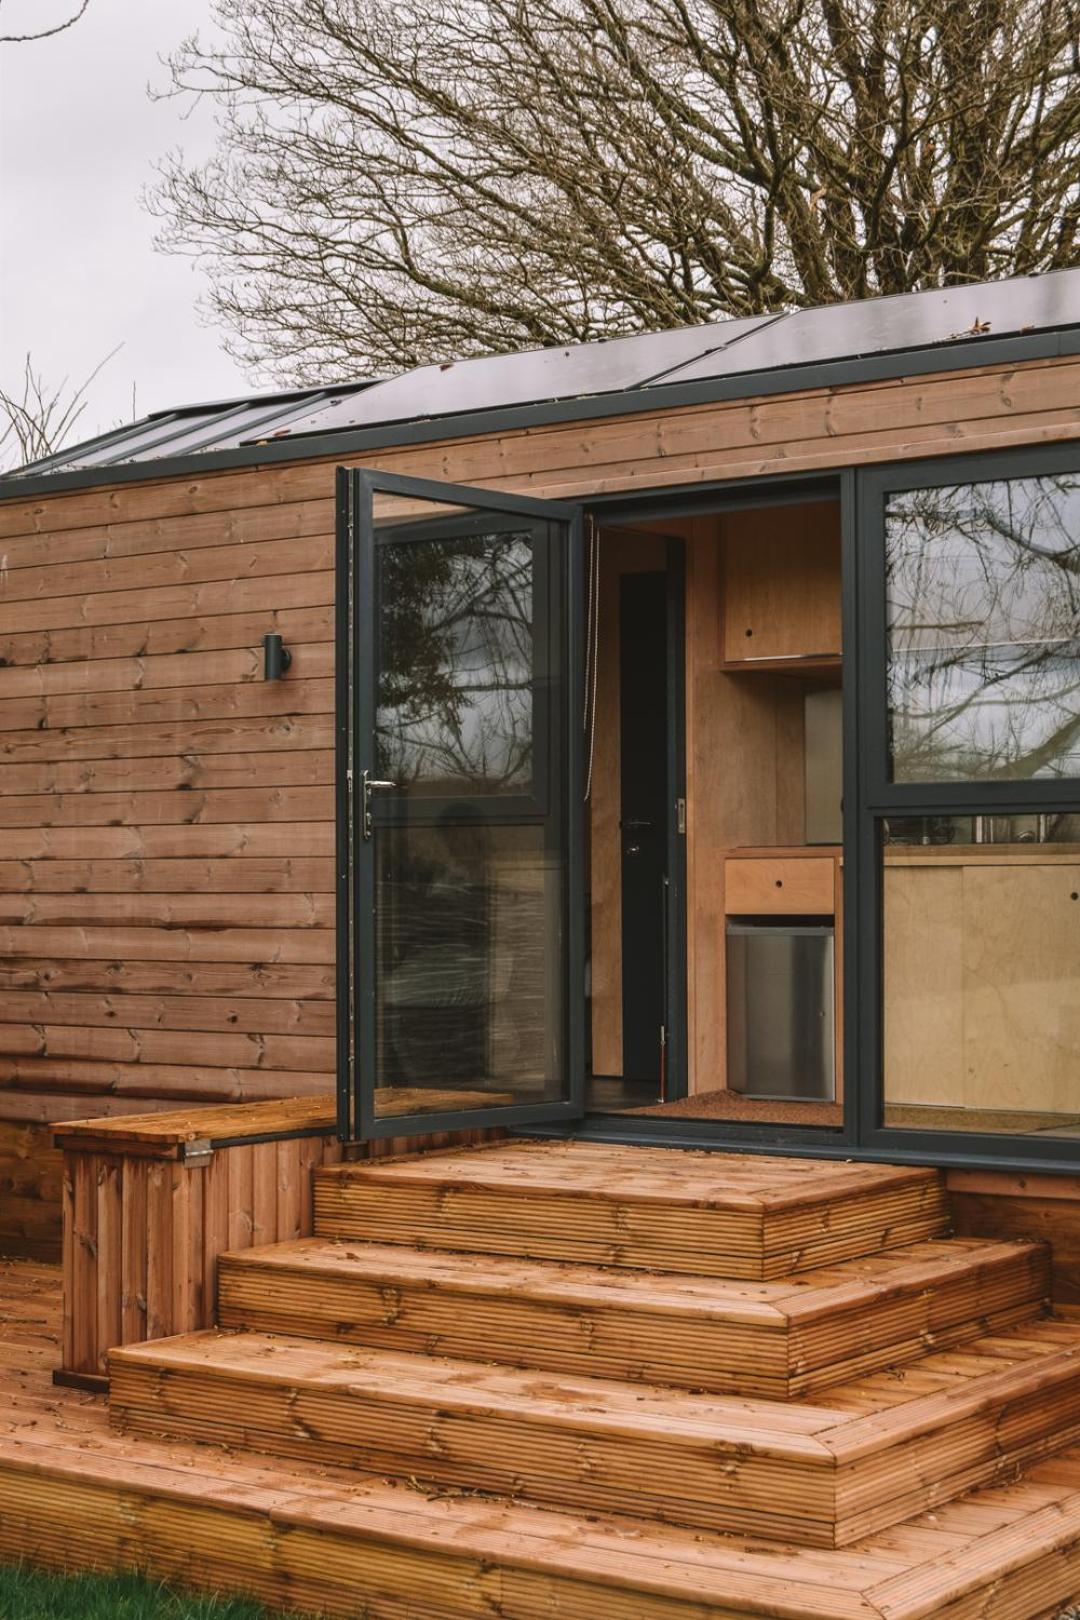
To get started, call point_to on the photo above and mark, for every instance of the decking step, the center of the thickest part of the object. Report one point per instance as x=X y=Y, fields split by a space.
x=776 y=1339
x=874 y=1452
x=712 y=1214
x=297 y=1540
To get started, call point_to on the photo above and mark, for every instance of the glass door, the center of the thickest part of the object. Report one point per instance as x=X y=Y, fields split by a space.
x=459 y=726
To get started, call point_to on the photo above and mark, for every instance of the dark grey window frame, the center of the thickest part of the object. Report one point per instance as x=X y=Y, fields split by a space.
x=873 y=796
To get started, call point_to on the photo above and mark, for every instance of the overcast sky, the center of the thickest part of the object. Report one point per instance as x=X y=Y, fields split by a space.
x=78 y=273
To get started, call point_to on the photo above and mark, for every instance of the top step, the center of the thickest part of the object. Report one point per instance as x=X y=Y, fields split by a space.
x=657 y=1209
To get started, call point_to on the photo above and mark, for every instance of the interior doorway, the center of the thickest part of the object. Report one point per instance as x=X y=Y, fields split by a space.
x=750 y=1040
x=635 y=820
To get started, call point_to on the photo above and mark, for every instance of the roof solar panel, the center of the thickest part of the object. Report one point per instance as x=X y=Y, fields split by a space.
x=537 y=375
x=910 y=322
x=907 y=321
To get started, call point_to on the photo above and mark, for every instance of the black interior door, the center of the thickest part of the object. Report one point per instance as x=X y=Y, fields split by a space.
x=460 y=949
x=645 y=809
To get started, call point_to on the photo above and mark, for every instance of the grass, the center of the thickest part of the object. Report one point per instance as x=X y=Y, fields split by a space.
x=28 y=1594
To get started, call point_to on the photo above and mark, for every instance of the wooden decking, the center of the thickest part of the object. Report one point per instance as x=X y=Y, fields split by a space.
x=639 y=1208
x=778 y=1339
x=473 y=1380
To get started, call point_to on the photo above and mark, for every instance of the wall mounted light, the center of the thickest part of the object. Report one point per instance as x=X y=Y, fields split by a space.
x=276 y=657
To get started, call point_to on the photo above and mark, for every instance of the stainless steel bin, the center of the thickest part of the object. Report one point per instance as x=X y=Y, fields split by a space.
x=780 y=1018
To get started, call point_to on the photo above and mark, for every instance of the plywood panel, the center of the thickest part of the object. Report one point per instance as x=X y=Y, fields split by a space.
x=923 y=953
x=1021 y=989
x=982 y=956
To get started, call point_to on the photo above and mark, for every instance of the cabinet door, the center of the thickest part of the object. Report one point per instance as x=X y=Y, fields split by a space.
x=782 y=583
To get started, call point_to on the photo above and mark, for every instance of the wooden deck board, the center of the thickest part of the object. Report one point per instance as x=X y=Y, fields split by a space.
x=74 y=1494
x=859 y=1458
x=733 y=1215
x=778 y=1339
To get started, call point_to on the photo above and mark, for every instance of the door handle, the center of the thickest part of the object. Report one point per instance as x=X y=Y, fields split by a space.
x=633 y=823
x=368 y=786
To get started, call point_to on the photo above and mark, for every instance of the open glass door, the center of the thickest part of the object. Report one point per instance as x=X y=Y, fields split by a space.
x=459 y=895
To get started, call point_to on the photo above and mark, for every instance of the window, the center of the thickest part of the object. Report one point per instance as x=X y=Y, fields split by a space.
x=968 y=848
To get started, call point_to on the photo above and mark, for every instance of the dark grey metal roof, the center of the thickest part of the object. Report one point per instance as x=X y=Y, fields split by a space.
x=907 y=334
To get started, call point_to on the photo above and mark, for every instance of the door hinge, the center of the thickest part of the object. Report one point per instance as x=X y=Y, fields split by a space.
x=663 y=1036
x=680 y=815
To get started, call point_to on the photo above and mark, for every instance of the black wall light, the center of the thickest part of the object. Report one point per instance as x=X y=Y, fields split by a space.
x=276 y=657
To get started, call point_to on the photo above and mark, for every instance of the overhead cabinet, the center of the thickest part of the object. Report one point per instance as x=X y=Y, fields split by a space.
x=781 y=596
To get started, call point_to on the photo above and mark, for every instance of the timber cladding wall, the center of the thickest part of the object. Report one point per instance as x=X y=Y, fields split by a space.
x=166 y=833
x=31 y=1182
x=166 y=815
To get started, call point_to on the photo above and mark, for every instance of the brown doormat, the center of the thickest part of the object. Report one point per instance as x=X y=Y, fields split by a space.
x=733 y=1105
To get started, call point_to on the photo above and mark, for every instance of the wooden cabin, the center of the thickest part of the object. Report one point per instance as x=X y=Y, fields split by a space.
x=525 y=765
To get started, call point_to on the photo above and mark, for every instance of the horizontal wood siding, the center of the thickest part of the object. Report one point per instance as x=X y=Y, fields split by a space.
x=166 y=815
x=31 y=1176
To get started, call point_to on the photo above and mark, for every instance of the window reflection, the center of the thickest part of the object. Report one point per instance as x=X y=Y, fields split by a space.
x=455 y=659
x=983 y=593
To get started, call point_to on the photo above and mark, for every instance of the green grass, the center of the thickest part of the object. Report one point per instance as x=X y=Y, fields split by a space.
x=27 y=1594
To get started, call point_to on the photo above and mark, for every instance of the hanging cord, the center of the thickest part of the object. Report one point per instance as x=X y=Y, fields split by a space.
x=592 y=648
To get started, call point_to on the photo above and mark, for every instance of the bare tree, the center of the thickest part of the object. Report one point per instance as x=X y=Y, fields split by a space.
x=398 y=181
x=39 y=419
x=45 y=33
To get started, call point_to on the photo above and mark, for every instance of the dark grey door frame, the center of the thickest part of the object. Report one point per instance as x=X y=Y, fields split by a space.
x=355 y=702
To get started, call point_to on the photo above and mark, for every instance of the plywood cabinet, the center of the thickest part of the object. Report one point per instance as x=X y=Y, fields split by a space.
x=781 y=585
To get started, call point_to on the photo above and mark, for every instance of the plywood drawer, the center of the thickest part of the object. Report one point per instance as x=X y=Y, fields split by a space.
x=795 y=887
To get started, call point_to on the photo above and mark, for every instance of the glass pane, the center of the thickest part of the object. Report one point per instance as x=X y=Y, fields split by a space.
x=468 y=967
x=455 y=610
x=983 y=623
x=981 y=967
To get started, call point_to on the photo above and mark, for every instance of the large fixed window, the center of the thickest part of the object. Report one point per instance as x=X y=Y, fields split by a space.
x=968 y=847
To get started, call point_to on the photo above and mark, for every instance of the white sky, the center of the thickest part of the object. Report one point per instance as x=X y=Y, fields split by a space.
x=78 y=273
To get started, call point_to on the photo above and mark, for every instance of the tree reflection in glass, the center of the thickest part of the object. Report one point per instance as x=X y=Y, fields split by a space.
x=455 y=699
x=983 y=593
